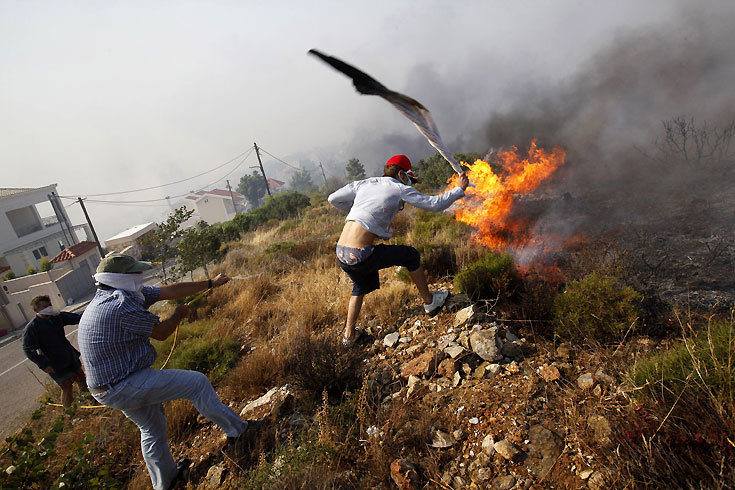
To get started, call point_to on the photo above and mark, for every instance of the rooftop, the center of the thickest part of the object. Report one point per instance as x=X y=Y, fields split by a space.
x=216 y=192
x=74 y=251
x=12 y=191
x=130 y=231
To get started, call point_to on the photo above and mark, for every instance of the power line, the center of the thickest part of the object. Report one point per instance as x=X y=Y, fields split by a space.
x=285 y=163
x=140 y=201
x=246 y=153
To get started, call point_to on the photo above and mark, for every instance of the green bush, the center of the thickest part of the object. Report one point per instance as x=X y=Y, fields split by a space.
x=9 y=275
x=212 y=356
x=491 y=276
x=429 y=228
x=596 y=307
x=285 y=248
x=702 y=363
x=277 y=208
x=31 y=270
x=46 y=265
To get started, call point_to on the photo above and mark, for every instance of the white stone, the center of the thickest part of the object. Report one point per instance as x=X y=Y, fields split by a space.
x=454 y=350
x=265 y=399
x=391 y=339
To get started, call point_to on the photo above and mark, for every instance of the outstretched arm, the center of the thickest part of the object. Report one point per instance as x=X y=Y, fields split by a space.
x=184 y=289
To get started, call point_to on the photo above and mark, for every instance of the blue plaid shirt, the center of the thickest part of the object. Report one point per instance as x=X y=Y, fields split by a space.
x=113 y=335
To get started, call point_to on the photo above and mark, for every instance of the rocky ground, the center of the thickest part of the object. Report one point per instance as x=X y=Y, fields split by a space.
x=509 y=411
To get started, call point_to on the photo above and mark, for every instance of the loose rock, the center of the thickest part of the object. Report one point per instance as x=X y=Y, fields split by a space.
x=600 y=428
x=404 y=474
x=464 y=316
x=504 y=482
x=484 y=344
x=441 y=439
x=423 y=365
x=454 y=350
x=543 y=450
x=549 y=373
x=391 y=339
x=487 y=445
x=586 y=381
x=506 y=449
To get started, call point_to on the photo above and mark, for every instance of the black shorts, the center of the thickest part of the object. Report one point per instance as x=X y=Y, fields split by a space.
x=364 y=275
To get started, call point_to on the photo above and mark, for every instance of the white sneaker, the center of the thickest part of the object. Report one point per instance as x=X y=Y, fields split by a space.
x=438 y=300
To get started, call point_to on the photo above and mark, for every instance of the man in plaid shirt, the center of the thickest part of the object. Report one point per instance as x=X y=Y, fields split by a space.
x=117 y=355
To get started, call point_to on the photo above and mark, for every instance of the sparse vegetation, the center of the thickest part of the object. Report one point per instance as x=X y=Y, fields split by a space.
x=9 y=275
x=596 y=307
x=31 y=270
x=353 y=414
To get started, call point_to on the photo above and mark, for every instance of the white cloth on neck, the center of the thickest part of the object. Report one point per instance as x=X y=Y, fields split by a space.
x=48 y=311
x=126 y=282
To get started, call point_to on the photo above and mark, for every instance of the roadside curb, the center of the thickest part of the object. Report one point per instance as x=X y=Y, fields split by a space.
x=11 y=337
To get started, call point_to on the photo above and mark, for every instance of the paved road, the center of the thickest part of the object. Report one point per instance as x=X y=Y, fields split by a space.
x=22 y=384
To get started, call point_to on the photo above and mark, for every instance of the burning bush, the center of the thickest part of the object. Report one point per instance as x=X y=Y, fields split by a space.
x=492 y=276
x=597 y=307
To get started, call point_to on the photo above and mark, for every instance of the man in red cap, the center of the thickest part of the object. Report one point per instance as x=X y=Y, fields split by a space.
x=371 y=205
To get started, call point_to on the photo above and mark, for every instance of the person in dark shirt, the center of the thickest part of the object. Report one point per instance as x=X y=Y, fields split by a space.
x=45 y=343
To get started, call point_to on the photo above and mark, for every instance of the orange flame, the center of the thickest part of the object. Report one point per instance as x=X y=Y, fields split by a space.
x=488 y=207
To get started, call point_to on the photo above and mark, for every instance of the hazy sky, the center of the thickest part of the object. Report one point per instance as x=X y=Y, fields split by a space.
x=109 y=96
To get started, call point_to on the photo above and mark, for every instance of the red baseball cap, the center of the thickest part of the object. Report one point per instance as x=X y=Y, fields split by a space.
x=405 y=164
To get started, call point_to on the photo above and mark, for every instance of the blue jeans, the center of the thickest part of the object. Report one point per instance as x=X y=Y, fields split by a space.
x=140 y=397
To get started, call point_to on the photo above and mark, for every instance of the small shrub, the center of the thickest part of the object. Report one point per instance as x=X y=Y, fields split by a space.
x=45 y=265
x=285 y=248
x=432 y=227
x=701 y=363
x=31 y=270
x=597 y=307
x=491 y=276
x=9 y=275
x=318 y=363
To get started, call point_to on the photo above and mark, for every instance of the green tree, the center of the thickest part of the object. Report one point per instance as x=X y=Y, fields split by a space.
x=252 y=187
x=198 y=247
x=46 y=264
x=301 y=181
x=435 y=170
x=161 y=243
x=354 y=170
x=31 y=270
x=9 y=275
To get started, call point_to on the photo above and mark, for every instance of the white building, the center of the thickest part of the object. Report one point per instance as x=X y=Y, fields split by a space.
x=216 y=205
x=25 y=235
x=129 y=241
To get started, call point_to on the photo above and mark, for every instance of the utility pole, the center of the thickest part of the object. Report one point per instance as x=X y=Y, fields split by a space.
x=94 y=233
x=60 y=219
x=323 y=174
x=257 y=152
x=231 y=196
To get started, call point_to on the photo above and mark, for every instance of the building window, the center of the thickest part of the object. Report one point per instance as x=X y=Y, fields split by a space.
x=37 y=254
x=43 y=251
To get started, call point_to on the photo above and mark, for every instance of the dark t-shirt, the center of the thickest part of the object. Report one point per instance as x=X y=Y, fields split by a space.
x=45 y=343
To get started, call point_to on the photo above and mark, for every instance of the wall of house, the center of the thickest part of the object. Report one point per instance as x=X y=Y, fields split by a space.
x=215 y=210
x=62 y=285
x=75 y=284
x=20 y=258
x=20 y=209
